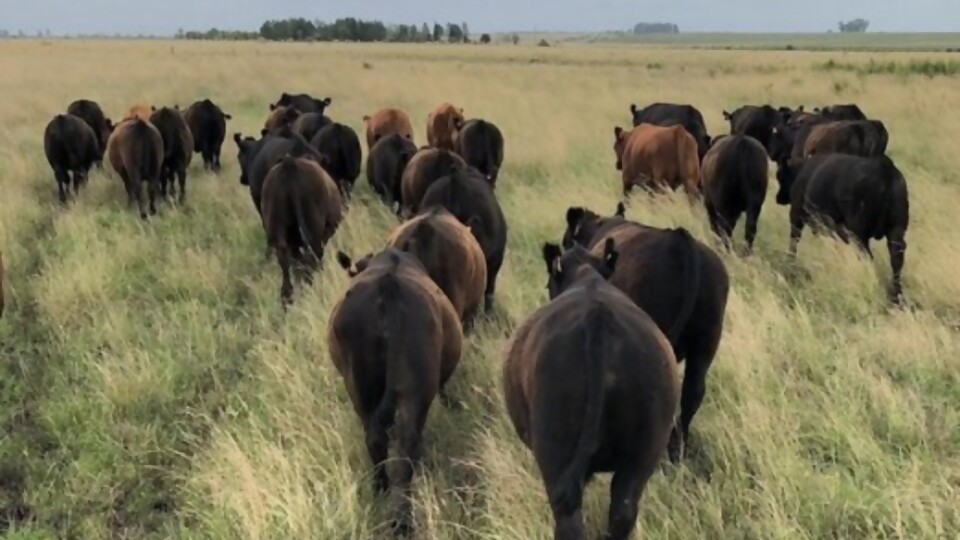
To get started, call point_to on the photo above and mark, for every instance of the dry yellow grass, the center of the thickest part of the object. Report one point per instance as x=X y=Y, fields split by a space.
x=152 y=386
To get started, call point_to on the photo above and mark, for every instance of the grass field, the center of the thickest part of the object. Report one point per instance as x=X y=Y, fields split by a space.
x=871 y=41
x=152 y=387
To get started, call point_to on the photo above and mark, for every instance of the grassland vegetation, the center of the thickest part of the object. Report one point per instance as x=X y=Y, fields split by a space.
x=151 y=385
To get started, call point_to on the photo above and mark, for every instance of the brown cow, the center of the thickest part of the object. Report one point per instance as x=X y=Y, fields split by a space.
x=681 y=283
x=140 y=111
x=387 y=121
x=442 y=126
x=309 y=124
x=396 y=340
x=590 y=384
x=177 y=149
x=866 y=138
x=302 y=208
x=135 y=150
x=281 y=117
x=650 y=156
x=451 y=255
x=734 y=180
x=425 y=167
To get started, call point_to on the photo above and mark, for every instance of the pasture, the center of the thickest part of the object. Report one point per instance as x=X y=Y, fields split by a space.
x=151 y=385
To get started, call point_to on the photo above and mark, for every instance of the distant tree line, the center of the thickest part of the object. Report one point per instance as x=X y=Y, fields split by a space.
x=348 y=29
x=854 y=27
x=656 y=28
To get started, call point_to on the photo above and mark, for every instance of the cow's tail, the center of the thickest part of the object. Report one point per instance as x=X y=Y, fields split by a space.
x=310 y=232
x=752 y=179
x=569 y=488
x=690 y=285
x=389 y=332
x=402 y=160
x=689 y=156
x=875 y=197
x=148 y=165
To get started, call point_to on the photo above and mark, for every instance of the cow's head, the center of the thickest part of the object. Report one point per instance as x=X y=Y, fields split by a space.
x=565 y=268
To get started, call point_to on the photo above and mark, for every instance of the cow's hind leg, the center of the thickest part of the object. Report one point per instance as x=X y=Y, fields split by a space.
x=411 y=418
x=286 y=287
x=700 y=354
x=182 y=176
x=63 y=183
x=897 y=246
x=625 y=492
x=750 y=232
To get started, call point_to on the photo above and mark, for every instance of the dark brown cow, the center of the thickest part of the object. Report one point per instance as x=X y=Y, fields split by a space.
x=651 y=156
x=853 y=196
x=309 y=124
x=386 y=164
x=135 y=150
x=177 y=149
x=425 y=167
x=208 y=124
x=467 y=195
x=396 y=340
x=442 y=126
x=71 y=147
x=302 y=208
x=92 y=114
x=865 y=138
x=590 y=384
x=385 y=122
x=680 y=282
x=734 y=180
x=451 y=255
x=480 y=144
x=258 y=157
x=302 y=102
x=280 y=118
x=341 y=146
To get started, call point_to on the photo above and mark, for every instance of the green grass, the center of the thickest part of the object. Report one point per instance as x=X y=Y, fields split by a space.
x=870 y=41
x=152 y=387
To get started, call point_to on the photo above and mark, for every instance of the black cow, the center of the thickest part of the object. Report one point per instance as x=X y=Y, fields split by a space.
x=680 y=282
x=734 y=180
x=302 y=102
x=480 y=144
x=466 y=194
x=590 y=384
x=757 y=121
x=71 y=147
x=208 y=124
x=672 y=114
x=385 y=165
x=309 y=124
x=256 y=158
x=841 y=112
x=177 y=149
x=341 y=146
x=853 y=196
x=92 y=114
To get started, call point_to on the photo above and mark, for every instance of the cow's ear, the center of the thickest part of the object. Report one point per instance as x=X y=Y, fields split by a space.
x=610 y=256
x=621 y=210
x=327 y=101
x=726 y=115
x=227 y=117
x=618 y=132
x=800 y=109
x=551 y=256
x=238 y=138
x=273 y=107
x=574 y=215
x=344 y=261
x=633 y=108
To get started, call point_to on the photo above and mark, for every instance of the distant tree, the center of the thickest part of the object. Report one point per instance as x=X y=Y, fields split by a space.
x=485 y=39
x=543 y=43
x=515 y=39
x=655 y=28
x=425 y=32
x=437 y=32
x=466 y=32
x=454 y=33
x=856 y=26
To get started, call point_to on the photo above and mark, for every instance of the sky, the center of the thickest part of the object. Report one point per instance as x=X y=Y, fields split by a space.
x=164 y=17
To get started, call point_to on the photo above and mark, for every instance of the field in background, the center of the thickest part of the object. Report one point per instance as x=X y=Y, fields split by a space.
x=870 y=41
x=152 y=387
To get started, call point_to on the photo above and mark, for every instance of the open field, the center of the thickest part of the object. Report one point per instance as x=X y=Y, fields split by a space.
x=152 y=387
x=871 y=41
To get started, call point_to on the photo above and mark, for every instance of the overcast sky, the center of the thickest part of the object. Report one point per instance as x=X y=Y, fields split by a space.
x=166 y=16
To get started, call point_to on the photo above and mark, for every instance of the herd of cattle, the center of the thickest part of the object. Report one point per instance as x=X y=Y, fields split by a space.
x=589 y=378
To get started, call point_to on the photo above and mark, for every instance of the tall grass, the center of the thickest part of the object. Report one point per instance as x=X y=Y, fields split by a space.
x=152 y=387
